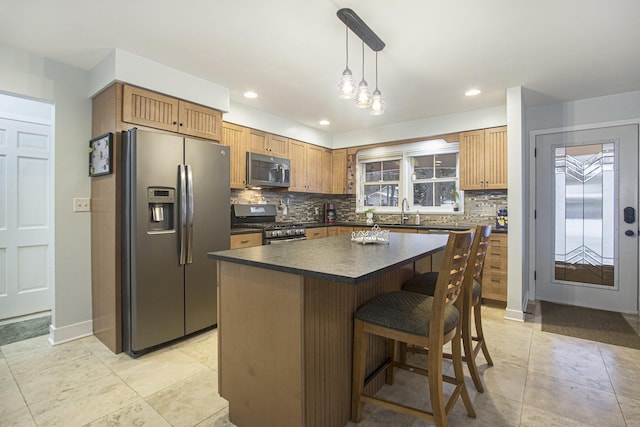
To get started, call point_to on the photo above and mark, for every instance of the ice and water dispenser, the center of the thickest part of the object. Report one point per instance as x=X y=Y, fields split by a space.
x=161 y=207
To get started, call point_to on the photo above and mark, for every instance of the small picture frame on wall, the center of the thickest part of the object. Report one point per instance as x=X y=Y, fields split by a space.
x=100 y=153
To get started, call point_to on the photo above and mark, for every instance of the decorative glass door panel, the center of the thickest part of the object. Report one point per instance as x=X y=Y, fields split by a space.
x=584 y=214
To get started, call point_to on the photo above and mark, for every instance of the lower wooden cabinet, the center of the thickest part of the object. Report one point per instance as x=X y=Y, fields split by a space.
x=338 y=230
x=316 y=233
x=245 y=240
x=494 y=276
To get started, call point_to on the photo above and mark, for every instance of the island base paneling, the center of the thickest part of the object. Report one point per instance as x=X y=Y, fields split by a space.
x=302 y=328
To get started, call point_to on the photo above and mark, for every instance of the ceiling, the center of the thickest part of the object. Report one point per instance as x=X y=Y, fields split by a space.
x=292 y=52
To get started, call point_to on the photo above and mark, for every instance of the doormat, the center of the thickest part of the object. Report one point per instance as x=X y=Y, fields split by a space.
x=587 y=323
x=24 y=329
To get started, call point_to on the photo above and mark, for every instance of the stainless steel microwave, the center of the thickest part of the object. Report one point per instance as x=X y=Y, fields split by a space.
x=267 y=171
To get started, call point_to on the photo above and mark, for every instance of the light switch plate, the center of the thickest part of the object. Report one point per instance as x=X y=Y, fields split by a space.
x=81 y=204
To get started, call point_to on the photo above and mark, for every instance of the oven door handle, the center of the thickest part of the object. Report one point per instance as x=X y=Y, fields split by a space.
x=274 y=241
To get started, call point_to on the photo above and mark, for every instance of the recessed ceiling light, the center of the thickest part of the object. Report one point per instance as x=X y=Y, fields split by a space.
x=250 y=94
x=473 y=92
x=324 y=122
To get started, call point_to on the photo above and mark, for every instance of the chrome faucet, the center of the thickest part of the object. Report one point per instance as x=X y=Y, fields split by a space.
x=403 y=217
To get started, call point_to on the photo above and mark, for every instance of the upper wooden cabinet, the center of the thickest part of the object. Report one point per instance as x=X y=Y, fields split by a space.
x=327 y=176
x=266 y=143
x=339 y=171
x=483 y=159
x=306 y=167
x=236 y=138
x=146 y=108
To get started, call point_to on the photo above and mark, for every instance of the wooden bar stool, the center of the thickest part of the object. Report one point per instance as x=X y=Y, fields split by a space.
x=420 y=320
x=471 y=301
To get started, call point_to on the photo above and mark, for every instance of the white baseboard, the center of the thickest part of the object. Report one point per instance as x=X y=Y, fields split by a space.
x=515 y=315
x=70 y=333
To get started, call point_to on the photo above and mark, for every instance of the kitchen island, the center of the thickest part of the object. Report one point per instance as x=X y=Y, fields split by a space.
x=285 y=325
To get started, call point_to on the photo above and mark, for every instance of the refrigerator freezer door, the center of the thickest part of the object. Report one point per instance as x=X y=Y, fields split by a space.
x=209 y=166
x=153 y=278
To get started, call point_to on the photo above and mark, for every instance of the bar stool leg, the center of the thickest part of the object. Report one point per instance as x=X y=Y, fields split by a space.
x=469 y=352
x=480 y=334
x=434 y=363
x=456 y=353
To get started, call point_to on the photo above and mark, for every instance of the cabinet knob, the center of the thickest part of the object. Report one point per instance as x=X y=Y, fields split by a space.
x=175 y=123
x=180 y=124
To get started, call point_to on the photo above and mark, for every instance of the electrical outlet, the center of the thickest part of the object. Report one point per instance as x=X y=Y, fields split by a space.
x=81 y=204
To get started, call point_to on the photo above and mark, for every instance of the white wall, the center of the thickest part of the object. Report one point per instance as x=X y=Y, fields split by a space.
x=256 y=119
x=516 y=294
x=430 y=126
x=26 y=74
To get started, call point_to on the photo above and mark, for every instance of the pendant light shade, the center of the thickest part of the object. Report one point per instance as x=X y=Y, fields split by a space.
x=346 y=88
x=363 y=97
x=347 y=85
x=377 y=103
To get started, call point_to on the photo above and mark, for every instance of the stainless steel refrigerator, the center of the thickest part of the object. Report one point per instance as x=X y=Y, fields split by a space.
x=175 y=210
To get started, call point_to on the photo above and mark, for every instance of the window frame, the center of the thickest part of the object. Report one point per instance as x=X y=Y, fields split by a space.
x=405 y=153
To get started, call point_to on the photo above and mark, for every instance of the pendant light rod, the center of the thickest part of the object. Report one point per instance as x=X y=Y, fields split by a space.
x=360 y=29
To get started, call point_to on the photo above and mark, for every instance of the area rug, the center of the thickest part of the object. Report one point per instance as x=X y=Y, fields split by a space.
x=22 y=330
x=587 y=323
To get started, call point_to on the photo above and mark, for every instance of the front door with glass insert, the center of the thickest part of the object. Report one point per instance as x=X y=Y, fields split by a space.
x=587 y=225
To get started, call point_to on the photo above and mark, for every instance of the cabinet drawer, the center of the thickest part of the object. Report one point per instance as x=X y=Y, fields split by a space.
x=316 y=233
x=246 y=240
x=498 y=241
x=495 y=265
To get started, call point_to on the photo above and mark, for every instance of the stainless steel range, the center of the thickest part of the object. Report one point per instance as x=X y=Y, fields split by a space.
x=264 y=217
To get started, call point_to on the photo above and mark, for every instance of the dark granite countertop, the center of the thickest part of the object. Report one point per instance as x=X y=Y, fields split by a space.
x=337 y=258
x=454 y=227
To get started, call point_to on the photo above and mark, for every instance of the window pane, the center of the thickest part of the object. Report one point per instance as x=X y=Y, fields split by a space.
x=444 y=193
x=423 y=194
x=373 y=172
x=381 y=195
x=391 y=170
x=446 y=165
x=423 y=167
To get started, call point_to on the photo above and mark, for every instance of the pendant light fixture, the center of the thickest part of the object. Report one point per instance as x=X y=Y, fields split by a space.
x=377 y=103
x=347 y=86
x=363 y=97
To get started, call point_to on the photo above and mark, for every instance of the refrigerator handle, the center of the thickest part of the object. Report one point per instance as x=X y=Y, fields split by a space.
x=189 y=214
x=183 y=214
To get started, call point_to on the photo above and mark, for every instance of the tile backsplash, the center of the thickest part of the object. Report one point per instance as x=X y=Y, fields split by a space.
x=479 y=207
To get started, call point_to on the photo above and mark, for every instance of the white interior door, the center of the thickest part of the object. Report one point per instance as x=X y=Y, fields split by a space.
x=26 y=237
x=586 y=218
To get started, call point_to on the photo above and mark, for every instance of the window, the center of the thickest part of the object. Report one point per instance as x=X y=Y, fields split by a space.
x=425 y=173
x=434 y=179
x=381 y=183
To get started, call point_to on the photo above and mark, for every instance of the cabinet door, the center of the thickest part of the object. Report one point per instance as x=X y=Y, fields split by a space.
x=495 y=158
x=257 y=141
x=147 y=108
x=327 y=176
x=339 y=171
x=277 y=146
x=472 y=158
x=236 y=138
x=199 y=121
x=313 y=169
x=297 y=153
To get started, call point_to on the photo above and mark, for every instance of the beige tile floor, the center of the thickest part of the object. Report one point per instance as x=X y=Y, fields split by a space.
x=539 y=379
